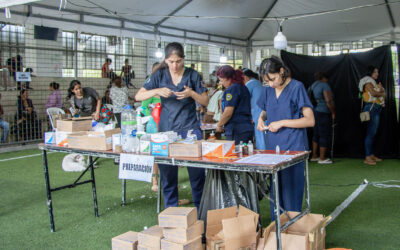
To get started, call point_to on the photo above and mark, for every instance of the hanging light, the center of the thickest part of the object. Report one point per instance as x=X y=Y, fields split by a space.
x=159 y=52
x=223 y=58
x=9 y=3
x=7 y=12
x=280 y=41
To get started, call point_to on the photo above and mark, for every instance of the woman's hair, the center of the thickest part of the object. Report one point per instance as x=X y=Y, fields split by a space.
x=115 y=81
x=229 y=72
x=273 y=65
x=319 y=76
x=55 y=85
x=108 y=60
x=250 y=73
x=126 y=60
x=71 y=87
x=22 y=92
x=171 y=49
x=370 y=70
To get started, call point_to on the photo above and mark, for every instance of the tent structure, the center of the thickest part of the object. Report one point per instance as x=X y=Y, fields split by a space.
x=235 y=22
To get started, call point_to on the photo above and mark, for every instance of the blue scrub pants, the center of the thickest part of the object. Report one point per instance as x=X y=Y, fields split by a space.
x=291 y=189
x=169 y=179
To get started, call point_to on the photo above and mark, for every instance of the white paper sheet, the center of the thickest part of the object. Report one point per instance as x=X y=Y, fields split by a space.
x=265 y=159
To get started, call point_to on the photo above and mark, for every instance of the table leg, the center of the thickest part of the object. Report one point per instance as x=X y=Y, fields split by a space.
x=159 y=195
x=275 y=183
x=307 y=186
x=48 y=191
x=123 y=202
x=96 y=212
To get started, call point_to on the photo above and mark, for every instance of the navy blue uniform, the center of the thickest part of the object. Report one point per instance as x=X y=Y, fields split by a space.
x=231 y=188
x=179 y=116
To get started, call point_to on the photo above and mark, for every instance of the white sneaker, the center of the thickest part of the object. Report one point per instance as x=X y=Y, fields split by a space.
x=314 y=159
x=326 y=161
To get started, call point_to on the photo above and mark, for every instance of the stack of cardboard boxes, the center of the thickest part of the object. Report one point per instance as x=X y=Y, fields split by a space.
x=181 y=229
x=150 y=239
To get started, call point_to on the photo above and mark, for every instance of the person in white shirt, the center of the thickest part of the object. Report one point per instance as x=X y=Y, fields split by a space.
x=120 y=97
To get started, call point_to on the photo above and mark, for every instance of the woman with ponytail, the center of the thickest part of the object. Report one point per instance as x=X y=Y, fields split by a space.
x=231 y=188
x=286 y=113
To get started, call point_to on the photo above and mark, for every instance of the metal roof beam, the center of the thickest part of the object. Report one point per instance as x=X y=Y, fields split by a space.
x=389 y=10
x=260 y=22
x=173 y=13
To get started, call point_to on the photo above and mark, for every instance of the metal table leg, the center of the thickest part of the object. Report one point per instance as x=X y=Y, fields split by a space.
x=48 y=191
x=123 y=202
x=159 y=194
x=275 y=183
x=96 y=212
x=307 y=186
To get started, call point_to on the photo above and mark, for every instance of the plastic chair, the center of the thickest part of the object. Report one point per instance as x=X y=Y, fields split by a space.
x=54 y=111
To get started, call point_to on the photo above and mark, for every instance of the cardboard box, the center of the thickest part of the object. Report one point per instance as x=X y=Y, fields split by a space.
x=230 y=228
x=182 y=217
x=218 y=148
x=308 y=233
x=125 y=241
x=75 y=124
x=182 y=235
x=159 y=144
x=50 y=137
x=194 y=244
x=150 y=238
x=62 y=138
x=92 y=140
x=179 y=149
x=57 y=117
x=147 y=248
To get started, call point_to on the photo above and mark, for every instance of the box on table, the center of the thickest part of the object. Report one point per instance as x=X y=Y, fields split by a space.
x=150 y=238
x=50 y=137
x=62 y=138
x=92 y=140
x=159 y=144
x=125 y=241
x=194 y=244
x=179 y=149
x=217 y=148
x=231 y=228
x=75 y=124
x=57 y=117
x=182 y=217
x=308 y=233
x=183 y=235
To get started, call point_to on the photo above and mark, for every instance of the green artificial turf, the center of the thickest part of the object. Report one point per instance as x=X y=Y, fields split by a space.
x=372 y=221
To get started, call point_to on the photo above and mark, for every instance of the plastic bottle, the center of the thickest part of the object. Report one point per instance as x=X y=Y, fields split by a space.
x=135 y=142
x=146 y=111
x=151 y=127
x=128 y=124
x=245 y=149
x=140 y=126
x=251 y=147
x=212 y=136
x=156 y=114
x=241 y=146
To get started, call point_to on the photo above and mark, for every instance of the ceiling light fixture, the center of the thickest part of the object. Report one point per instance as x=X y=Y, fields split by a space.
x=223 y=58
x=159 y=52
x=7 y=12
x=280 y=41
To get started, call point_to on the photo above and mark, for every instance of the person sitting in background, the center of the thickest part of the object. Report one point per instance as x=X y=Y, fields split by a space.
x=106 y=72
x=3 y=124
x=106 y=98
x=84 y=101
x=127 y=74
x=214 y=108
x=120 y=97
x=26 y=118
x=373 y=98
x=255 y=88
x=324 y=116
x=15 y=65
x=54 y=99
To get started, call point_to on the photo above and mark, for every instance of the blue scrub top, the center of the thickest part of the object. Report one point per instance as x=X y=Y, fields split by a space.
x=177 y=115
x=255 y=88
x=289 y=105
x=237 y=96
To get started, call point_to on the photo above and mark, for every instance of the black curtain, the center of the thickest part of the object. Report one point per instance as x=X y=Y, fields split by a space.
x=344 y=72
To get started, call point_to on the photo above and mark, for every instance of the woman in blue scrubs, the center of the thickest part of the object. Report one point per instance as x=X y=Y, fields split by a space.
x=179 y=88
x=287 y=112
x=231 y=188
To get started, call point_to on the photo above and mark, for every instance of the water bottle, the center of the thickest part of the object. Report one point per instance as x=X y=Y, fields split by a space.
x=251 y=147
x=241 y=146
x=128 y=124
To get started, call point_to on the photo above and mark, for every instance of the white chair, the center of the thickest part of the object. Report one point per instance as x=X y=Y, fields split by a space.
x=54 y=111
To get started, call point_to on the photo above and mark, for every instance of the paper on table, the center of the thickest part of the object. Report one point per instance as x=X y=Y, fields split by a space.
x=265 y=159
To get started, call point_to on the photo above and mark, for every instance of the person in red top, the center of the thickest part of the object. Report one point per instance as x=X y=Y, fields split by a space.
x=106 y=72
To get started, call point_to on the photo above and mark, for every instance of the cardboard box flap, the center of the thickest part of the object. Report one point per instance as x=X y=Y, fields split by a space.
x=238 y=226
x=216 y=216
x=307 y=223
x=79 y=118
x=245 y=211
x=129 y=236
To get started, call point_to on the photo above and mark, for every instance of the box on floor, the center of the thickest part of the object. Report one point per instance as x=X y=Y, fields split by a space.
x=182 y=217
x=150 y=238
x=125 y=241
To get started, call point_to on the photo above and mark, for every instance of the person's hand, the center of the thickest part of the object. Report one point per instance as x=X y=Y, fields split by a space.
x=219 y=128
x=96 y=116
x=260 y=125
x=275 y=126
x=184 y=94
x=164 y=92
x=333 y=117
